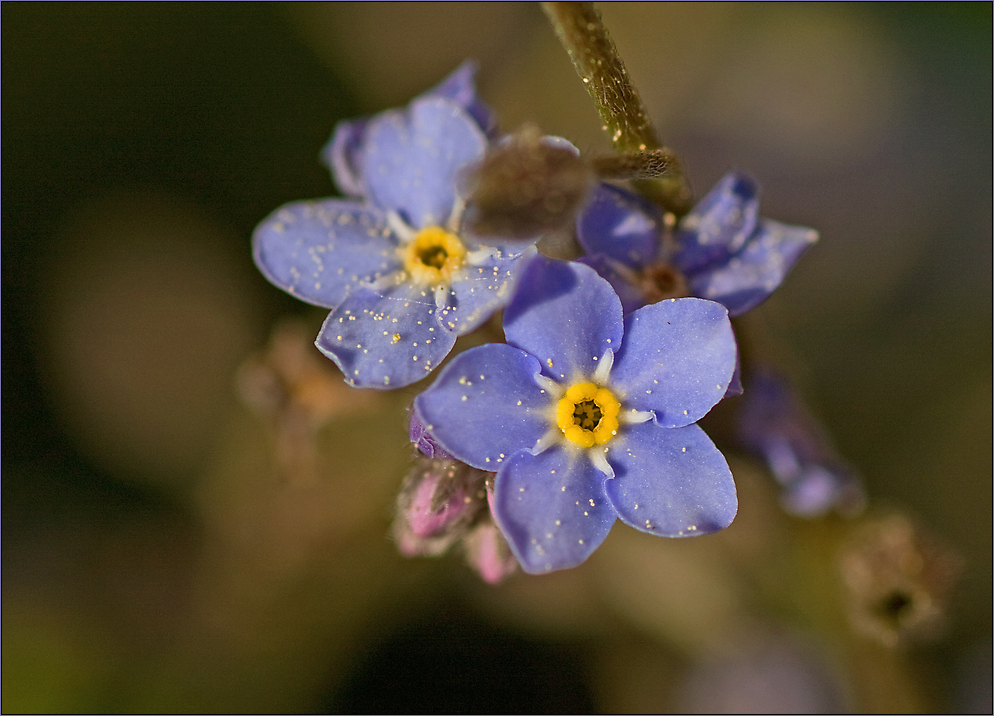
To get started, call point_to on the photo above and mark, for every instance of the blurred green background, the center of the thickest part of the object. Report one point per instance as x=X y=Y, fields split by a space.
x=152 y=561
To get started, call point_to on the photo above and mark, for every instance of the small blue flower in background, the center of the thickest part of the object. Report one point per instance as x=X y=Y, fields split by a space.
x=722 y=250
x=588 y=416
x=401 y=277
x=774 y=426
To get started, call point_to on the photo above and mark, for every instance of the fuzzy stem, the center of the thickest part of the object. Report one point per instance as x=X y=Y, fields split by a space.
x=579 y=27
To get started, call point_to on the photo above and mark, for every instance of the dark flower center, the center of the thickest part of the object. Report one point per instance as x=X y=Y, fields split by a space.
x=660 y=281
x=433 y=256
x=896 y=605
x=587 y=414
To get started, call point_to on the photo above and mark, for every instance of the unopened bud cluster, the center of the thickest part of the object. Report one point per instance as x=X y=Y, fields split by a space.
x=443 y=503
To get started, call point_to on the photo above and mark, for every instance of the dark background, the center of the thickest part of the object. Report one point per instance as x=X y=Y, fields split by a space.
x=193 y=121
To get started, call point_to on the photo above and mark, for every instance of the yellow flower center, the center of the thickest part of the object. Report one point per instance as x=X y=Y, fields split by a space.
x=433 y=256
x=588 y=414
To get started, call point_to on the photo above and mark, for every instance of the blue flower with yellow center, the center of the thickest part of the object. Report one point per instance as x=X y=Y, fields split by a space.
x=587 y=416
x=402 y=277
x=722 y=250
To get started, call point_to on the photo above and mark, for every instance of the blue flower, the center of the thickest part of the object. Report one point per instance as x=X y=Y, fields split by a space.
x=722 y=250
x=403 y=279
x=775 y=426
x=587 y=416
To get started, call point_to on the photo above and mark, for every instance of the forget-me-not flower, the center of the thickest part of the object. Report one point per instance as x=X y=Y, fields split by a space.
x=402 y=277
x=775 y=426
x=722 y=250
x=587 y=416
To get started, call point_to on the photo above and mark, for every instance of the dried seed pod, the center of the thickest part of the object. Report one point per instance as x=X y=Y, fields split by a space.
x=897 y=581
x=297 y=392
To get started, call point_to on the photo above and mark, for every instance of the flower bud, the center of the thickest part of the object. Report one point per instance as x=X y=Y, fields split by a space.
x=527 y=186
x=485 y=548
x=488 y=553
x=437 y=503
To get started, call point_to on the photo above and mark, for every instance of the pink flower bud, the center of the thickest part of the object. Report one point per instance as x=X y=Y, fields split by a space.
x=488 y=553
x=438 y=502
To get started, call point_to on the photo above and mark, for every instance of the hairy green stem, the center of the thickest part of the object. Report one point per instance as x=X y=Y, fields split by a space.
x=581 y=31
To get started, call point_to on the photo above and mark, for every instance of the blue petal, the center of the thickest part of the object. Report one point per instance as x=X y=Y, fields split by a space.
x=423 y=440
x=751 y=276
x=385 y=339
x=677 y=359
x=552 y=508
x=461 y=89
x=411 y=159
x=342 y=155
x=735 y=384
x=505 y=244
x=485 y=406
x=479 y=290
x=671 y=482
x=621 y=225
x=815 y=492
x=632 y=297
x=319 y=250
x=719 y=225
x=565 y=315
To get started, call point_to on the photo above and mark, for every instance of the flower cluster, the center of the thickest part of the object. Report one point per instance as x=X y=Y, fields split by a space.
x=587 y=413
x=444 y=502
